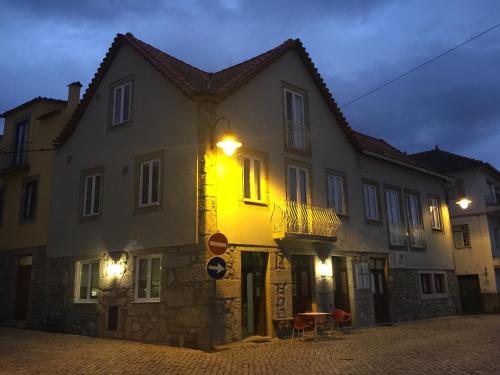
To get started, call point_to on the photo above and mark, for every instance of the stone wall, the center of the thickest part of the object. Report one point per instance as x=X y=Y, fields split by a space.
x=405 y=300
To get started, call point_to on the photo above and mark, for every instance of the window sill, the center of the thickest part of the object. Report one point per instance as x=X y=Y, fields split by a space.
x=146 y=300
x=437 y=230
x=434 y=296
x=374 y=222
x=120 y=123
x=86 y=301
x=27 y=221
x=255 y=203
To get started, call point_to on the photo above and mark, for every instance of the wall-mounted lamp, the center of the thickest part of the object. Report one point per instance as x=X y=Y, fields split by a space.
x=115 y=264
x=464 y=203
x=228 y=143
x=325 y=269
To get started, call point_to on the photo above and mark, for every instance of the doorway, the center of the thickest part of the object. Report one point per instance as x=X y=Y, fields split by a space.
x=302 y=276
x=341 y=292
x=23 y=280
x=470 y=293
x=379 y=290
x=253 y=293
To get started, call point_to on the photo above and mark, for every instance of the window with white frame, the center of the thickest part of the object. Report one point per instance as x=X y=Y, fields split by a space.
x=394 y=219
x=253 y=179
x=298 y=184
x=461 y=236
x=295 y=120
x=121 y=103
x=433 y=284
x=337 y=193
x=87 y=281
x=148 y=278
x=30 y=198
x=3 y=193
x=92 y=195
x=414 y=217
x=370 y=202
x=149 y=183
x=435 y=211
x=363 y=275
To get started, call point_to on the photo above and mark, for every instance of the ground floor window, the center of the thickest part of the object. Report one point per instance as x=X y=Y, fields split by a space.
x=148 y=278
x=87 y=281
x=363 y=276
x=433 y=284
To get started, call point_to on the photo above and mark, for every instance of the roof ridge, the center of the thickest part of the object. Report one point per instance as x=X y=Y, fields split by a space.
x=31 y=101
x=451 y=153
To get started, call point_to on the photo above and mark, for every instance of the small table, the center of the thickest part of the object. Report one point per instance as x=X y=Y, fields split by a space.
x=314 y=316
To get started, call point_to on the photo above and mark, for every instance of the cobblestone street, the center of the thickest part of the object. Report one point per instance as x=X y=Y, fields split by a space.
x=455 y=345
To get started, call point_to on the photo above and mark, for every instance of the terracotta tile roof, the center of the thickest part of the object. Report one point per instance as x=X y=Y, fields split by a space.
x=381 y=147
x=30 y=102
x=199 y=84
x=445 y=161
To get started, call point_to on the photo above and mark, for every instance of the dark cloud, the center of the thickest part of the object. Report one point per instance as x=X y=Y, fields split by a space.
x=355 y=44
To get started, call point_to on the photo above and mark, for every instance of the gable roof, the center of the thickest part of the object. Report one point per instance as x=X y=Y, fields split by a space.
x=378 y=147
x=196 y=83
x=445 y=161
x=30 y=102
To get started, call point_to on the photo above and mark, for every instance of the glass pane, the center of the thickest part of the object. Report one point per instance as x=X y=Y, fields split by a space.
x=2 y=202
x=338 y=188
x=289 y=106
x=97 y=194
x=256 y=176
x=299 y=115
x=118 y=104
x=304 y=282
x=95 y=281
x=246 y=178
x=142 y=284
x=88 y=195
x=84 y=281
x=155 y=192
x=155 y=278
x=303 y=186
x=292 y=184
x=145 y=184
x=126 y=102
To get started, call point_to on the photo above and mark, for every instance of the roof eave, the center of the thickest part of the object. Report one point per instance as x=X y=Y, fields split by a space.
x=406 y=165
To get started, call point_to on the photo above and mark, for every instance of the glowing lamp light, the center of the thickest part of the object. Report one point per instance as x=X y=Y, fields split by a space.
x=229 y=143
x=114 y=269
x=325 y=269
x=464 y=203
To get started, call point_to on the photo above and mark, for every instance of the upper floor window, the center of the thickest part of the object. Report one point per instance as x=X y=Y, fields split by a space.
x=337 y=193
x=370 y=199
x=394 y=220
x=87 y=281
x=3 y=193
x=19 y=156
x=435 y=211
x=461 y=235
x=296 y=131
x=414 y=217
x=253 y=179
x=121 y=103
x=92 y=195
x=298 y=184
x=148 y=278
x=29 y=199
x=149 y=184
x=456 y=190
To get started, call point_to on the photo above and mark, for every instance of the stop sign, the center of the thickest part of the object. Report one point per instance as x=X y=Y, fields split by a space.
x=217 y=243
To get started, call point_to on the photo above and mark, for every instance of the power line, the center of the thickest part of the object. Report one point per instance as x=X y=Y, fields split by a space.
x=419 y=66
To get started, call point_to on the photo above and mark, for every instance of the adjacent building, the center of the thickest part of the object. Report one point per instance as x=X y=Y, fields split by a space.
x=26 y=157
x=317 y=215
x=475 y=226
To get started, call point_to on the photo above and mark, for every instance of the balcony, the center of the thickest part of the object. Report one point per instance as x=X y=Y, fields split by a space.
x=304 y=221
x=297 y=136
x=492 y=199
x=14 y=159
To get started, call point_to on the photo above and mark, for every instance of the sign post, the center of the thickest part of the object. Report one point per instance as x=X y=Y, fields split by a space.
x=216 y=269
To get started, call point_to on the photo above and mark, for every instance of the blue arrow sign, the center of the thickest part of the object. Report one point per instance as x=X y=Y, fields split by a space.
x=216 y=267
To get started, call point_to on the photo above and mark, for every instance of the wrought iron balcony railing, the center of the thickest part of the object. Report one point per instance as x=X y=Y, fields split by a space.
x=14 y=157
x=292 y=217
x=399 y=234
x=492 y=199
x=297 y=136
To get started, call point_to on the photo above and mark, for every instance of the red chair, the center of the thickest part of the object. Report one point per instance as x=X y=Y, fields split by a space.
x=298 y=325
x=341 y=318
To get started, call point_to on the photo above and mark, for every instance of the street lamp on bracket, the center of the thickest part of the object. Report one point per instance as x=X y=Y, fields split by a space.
x=228 y=142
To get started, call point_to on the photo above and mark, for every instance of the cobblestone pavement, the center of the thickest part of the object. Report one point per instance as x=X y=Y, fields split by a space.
x=453 y=345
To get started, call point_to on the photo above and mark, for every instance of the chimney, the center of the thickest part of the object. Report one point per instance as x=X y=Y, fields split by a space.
x=74 y=94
